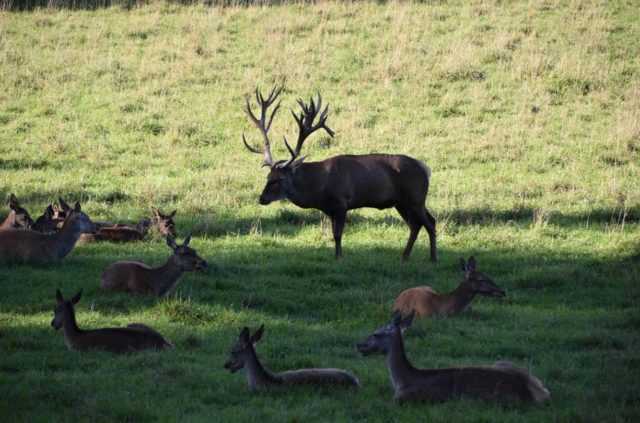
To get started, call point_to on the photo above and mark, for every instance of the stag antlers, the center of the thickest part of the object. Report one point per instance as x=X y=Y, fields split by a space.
x=305 y=124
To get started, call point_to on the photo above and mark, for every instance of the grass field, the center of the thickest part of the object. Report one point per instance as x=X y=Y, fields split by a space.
x=528 y=114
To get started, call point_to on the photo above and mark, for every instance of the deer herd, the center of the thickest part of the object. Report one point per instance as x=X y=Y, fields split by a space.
x=334 y=186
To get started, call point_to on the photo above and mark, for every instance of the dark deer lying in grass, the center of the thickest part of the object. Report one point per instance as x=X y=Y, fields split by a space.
x=345 y=182
x=139 y=278
x=52 y=219
x=26 y=246
x=244 y=355
x=159 y=222
x=133 y=338
x=18 y=217
x=425 y=301
x=503 y=380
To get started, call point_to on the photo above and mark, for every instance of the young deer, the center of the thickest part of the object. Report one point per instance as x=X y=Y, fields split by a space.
x=346 y=182
x=244 y=355
x=133 y=338
x=26 y=246
x=163 y=223
x=139 y=278
x=503 y=380
x=427 y=302
x=18 y=217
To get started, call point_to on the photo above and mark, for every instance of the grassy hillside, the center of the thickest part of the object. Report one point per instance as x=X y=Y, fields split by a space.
x=528 y=115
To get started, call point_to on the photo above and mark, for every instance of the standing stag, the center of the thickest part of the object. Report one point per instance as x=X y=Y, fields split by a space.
x=503 y=380
x=344 y=182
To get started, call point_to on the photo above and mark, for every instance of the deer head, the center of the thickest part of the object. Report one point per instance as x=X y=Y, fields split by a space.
x=82 y=222
x=186 y=258
x=380 y=341
x=164 y=222
x=21 y=217
x=64 y=308
x=279 y=180
x=478 y=281
x=244 y=349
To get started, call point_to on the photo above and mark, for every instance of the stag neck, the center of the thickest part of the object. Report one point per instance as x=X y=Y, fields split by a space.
x=70 y=328
x=65 y=239
x=400 y=369
x=166 y=276
x=301 y=192
x=461 y=297
x=256 y=374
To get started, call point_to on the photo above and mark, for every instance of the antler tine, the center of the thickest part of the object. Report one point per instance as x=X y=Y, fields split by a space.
x=305 y=121
x=262 y=123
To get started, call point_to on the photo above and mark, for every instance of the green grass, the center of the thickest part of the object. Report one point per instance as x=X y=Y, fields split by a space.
x=527 y=113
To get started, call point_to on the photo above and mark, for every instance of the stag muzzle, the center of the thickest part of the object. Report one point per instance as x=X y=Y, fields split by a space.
x=263 y=200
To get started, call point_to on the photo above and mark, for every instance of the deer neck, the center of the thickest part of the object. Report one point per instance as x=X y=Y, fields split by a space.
x=70 y=328
x=256 y=374
x=307 y=184
x=65 y=239
x=167 y=276
x=459 y=298
x=400 y=369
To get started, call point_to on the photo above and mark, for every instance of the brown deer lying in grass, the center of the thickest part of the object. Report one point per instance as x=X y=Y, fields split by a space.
x=503 y=380
x=344 y=182
x=159 y=222
x=26 y=246
x=244 y=355
x=139 y=278
x=425 y=301
x=133 y=338
x=18 y=217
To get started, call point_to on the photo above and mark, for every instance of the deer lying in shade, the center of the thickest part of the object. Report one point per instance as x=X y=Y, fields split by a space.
x=159 y=222
x=137 y=277
x=18 y=217
x=426 y=301
x=27 y=246
x=243 y=355
x=503 y=380
x=133 y=338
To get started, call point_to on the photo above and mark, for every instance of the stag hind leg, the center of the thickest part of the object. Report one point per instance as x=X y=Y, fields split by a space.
x=429 y=223
x=414 y=228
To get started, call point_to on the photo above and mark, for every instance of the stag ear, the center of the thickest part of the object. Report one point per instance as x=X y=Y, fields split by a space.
x=406 y=322
x=186 y=241
x=155 y=213
x=59 y=297
x=171 y=243
x=244 y=336
x=471 y=264
x=76 y=297
x=298 y=162
x=257 y=335
x=170 y=215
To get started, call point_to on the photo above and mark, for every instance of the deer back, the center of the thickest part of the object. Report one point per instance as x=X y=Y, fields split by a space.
x=128 y=276
x=118 y=233
x=318 y=377
x=423 y=299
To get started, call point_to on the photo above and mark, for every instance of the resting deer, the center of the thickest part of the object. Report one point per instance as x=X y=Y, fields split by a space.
x=344 y=182
x=244 y=355
x=163 y=225
x=133 y=338
x=503 y=380
x=139 y=278
x=18 y=217
x=26 y=246
x=50 y=222
x=427 y=302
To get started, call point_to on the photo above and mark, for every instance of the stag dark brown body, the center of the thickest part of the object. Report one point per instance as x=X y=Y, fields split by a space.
x=133 y=338
x=346 y=182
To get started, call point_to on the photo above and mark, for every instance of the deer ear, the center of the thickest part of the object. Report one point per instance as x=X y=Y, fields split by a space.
x=170 y=215
x=463 y=265
x=171 y=243
x=59 y=297
x=76 y=297
x=76 y=207
x=154 y=213
x=257 y=335
x=471 y=264
x=244 y=335
x=13 y=199
x=395 y=317
x=186 y=241
x=48 y=212
x=406 y=322
x=298 y=162
x=65 y=206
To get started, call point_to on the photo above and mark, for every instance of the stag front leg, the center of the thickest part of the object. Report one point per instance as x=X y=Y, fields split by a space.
x=337 y=225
